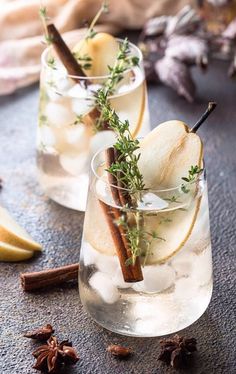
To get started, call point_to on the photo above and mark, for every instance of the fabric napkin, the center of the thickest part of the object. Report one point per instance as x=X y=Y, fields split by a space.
x=21 y=33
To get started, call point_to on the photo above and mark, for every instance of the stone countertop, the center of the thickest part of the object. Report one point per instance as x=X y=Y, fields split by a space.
x=59 y=230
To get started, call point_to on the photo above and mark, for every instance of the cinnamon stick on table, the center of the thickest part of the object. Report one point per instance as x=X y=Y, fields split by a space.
x=131 y=273
x=49 y=277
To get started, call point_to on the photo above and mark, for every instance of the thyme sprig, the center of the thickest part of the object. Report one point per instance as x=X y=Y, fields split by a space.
x=90 y=33
x=127 y=163
x=44 y=18
x=124 y=62
x=126 y=166
x=193 y=174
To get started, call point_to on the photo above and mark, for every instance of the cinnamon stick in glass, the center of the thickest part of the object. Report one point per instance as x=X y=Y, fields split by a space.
x=131 y=273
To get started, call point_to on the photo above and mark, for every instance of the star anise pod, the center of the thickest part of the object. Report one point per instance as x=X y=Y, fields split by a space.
x=51 y=356
x=177 y=351
x=42 y=333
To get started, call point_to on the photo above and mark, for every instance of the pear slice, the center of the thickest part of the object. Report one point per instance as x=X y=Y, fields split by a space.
x=10 y=253
x=96 y=230
x=167 y=154
x=131 y=107
x=102 y=49
x=13 y=234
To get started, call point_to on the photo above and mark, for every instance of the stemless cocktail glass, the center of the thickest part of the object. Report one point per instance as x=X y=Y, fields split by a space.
x=69 y=133
x=175 y=254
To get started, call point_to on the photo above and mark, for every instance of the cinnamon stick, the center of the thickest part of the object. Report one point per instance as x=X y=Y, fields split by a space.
x=131 y=273
x=73 y=68
x=49 y=277
x=64 y=52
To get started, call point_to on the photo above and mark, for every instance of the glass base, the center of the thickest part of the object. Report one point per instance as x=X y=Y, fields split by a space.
x=147 y=315
x=70 y=193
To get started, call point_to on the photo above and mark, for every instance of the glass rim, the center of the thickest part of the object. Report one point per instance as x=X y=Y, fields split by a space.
x=85 y=78
x=201 y=176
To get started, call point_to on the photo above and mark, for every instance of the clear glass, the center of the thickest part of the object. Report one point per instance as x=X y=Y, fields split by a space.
x=177 y=265
x=67 y=135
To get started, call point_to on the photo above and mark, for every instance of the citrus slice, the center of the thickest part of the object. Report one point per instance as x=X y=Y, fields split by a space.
x=131 y=107
x=13 y=234
x=10 y=253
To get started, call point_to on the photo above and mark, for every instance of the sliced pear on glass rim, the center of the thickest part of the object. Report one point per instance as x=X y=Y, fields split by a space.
x=11 y=253
x=131 y=107
x=13 y=234
x=167 y=154
x=96 y=230
x=102 y=49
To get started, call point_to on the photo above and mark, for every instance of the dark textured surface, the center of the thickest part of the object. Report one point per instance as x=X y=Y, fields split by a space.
x=59 y=230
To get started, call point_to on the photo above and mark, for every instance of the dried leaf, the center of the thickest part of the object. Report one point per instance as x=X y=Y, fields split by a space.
x=156 y=25
x=188 y=49
x=230 y=31
x=218 y=2
x=176 y=75
x=186 y=21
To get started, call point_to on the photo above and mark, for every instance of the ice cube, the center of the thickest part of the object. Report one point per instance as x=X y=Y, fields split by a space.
x=101 y=140
x=93 y=88
x=46 y=136
x=183 y=263
x=202 y=267
x=74 y=163
x=89 y=254
x=118 y=279
x=103 y=285
x=151 y=201
x=156 y=278
x=77 y=134
x=82 y=106
x=107 y=264
x=78 y=91
x=185 y=288
x=59 y=115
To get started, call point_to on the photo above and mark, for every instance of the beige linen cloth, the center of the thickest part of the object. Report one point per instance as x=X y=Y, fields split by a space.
x=21 y=33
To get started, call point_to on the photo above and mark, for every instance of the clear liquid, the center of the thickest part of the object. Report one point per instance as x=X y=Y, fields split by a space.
x=65 y=150
x=172 y=296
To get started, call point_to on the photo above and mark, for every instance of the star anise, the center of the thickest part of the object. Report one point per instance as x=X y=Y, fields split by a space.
x=51 y=356
x=177 y=351
x=42 y=333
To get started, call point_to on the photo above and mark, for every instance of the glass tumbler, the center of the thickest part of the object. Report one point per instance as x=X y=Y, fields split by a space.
x=174 y=256
x=69 y=133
